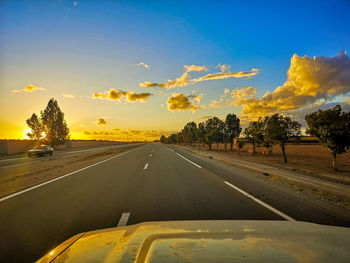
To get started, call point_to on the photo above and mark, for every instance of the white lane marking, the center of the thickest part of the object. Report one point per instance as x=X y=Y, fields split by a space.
x=61 y=177
x=124 y=219
x=150 y=155
x=189 y=160
x=152 y=149
x=169 y=148
x=261 y=202
x=146 y=165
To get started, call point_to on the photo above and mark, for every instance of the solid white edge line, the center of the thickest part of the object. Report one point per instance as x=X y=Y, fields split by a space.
x=189 y=160
x=169 y=148
x=124 y=219
x=61 y=177
x=261 y=202
x=146 y=165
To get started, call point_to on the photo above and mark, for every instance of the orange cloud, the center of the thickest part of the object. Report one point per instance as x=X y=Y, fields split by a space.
x=126 y=134
x=29 y=88
x=130 y=96
x=181 y=102
x=310 y=81
x=184 y=79
x=179 y=82
x=69 y=96
x=98 y=95
x=102 y=121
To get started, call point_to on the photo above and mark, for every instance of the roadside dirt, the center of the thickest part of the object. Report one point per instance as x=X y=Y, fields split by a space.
x=14 y=179
x=330 y=186
x=306 y=158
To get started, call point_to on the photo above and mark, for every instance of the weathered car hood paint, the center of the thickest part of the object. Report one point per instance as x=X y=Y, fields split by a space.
x=208 y=241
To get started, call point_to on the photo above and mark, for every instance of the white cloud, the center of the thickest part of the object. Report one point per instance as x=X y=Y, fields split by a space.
x=185 y=79
x=144 y=65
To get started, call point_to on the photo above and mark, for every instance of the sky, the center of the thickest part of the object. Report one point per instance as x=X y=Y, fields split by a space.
x=134 y=70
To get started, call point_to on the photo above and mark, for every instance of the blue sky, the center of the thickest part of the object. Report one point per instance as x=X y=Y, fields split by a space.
x=93 y=46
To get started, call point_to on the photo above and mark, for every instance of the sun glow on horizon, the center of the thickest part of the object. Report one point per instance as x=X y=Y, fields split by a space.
x=25 y=132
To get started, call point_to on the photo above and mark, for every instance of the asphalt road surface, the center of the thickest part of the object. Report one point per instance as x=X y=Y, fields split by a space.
x=152 y=182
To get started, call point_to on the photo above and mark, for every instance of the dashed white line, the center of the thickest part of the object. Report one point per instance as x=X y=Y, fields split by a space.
x=189 y=160
x=150 y=155
x=61 y=177
x=146 y=165
x=124 y=219
x=260 y=202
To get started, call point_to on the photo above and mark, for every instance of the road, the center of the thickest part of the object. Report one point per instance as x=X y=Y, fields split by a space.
x=149 y=183
x=18 y=161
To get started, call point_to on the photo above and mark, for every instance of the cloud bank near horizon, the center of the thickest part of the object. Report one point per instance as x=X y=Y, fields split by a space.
x=310 y=81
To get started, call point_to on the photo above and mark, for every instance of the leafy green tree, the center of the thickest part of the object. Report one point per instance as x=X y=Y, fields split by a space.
x=214 y=131
x=280 y=129
x=255 y=133
x=172 y=138
x=163 y=139
x=232 y=128
x=201 y=131
x=190 y=133
x=332 y=128
x=54 y=124
x=266 y=141
x=36 y=127
x=179 y=138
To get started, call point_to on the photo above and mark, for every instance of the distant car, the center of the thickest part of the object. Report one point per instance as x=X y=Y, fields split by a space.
x=40 y=150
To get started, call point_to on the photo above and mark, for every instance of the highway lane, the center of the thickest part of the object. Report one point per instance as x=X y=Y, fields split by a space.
x=18 y=161
x=149 y=183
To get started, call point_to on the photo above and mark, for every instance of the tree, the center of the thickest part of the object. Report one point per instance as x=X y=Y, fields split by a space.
x=280 y=129
x=232 y=128
x=190 y=132
x=36 y=127
x=163 y=139
x=332 y=128
x=254 y=133
x=172 y=138
x=54 y=124
x=213 y=131
x=238 y=143
x=266 y=141
x=201 y=133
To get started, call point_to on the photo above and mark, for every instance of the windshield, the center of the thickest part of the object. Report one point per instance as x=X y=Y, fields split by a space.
x=39 y=147
x=149 y=111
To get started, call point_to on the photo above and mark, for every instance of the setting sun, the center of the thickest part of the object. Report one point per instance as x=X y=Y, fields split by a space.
x=25 y=132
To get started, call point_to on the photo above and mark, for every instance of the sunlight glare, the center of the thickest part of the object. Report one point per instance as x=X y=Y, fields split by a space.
x=25 y=131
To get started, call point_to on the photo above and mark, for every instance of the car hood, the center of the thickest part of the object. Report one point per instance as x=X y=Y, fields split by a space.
x=208 y=241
